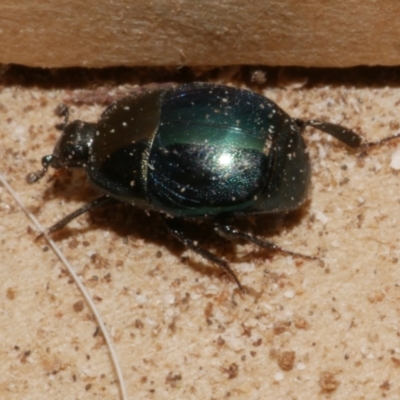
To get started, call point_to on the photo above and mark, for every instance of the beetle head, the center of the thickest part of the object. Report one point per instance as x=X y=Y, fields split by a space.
x=71 y=150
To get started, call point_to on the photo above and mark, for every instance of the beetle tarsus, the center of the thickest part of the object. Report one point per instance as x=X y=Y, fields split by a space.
x=345 y=135
x=232 y=233
x=189 y=243
x=367 y=145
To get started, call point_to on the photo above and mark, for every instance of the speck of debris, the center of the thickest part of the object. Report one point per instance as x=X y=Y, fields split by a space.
x=107 y=278
x=376 y=297
x=396 y=362
x=259 y=76
x=139 y=324
x=88 y=386
x=208 y=310
x=25 y=356
x=395 y=161
x=73 y=244
x=10 y=294
x=173 y=379
x=246 y=330
x=79 y=306
x=232 y=371
x=280 y=327
x=286 y=360
x=279 y=376
x=385 y=385
x=301 y=366
x=300 y=322
x=328 y=382
x=172 y=326
x=289 y=294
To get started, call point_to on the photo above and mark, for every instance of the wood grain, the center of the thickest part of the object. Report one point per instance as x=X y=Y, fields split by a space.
x=50 y=33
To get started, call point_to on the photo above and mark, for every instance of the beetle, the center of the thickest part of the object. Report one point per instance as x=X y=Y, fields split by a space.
x=191 y=152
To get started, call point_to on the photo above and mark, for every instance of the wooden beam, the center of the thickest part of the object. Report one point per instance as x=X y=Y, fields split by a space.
x=102 y=33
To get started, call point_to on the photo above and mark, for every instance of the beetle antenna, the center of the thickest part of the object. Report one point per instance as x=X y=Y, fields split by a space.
x=62 y=110
x=37 y=175
x=345 y=135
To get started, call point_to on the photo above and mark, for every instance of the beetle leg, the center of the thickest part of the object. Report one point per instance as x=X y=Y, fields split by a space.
x=345 y=135
x=180 y=235
x=100 y=201
x=232 y=233
x=367 y=145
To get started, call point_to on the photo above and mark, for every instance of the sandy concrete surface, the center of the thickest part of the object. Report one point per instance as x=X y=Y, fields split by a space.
x=325 y=329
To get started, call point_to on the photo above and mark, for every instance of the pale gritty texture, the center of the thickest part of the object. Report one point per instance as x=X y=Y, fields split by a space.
x=102 y=33
x=307 y=329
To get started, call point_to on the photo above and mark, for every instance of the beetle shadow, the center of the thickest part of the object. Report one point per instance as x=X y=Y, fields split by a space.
x=262 y=226
x=267 y=227
x=130 y=223
x=66 y=186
